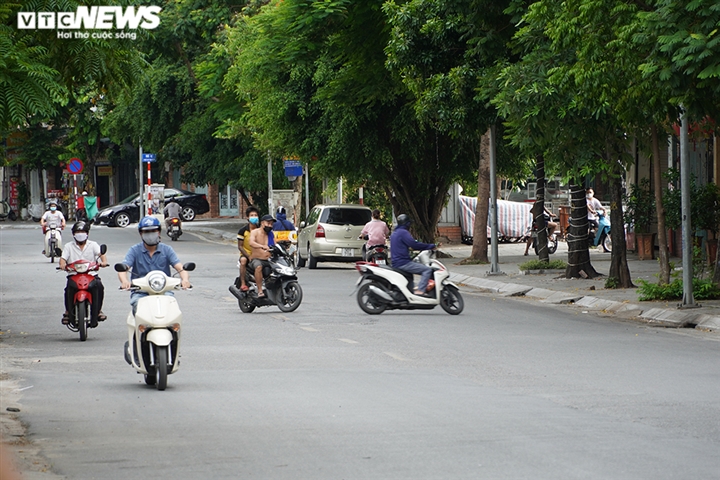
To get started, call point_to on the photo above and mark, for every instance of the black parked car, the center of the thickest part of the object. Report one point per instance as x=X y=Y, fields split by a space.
x=128 y=211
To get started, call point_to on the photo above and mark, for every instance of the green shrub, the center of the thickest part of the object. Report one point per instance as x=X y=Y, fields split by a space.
x=538 y=265
x=702 y=290
x=612 y=282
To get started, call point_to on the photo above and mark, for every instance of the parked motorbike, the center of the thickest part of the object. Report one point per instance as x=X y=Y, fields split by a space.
x=377 y=254
x=174 y=229
x=552 y=240
x=6 y=211
x=81 y=312
x=601 y=235
x=279 y=284
x=53 y=241
x=382 y=287
x=153 y=346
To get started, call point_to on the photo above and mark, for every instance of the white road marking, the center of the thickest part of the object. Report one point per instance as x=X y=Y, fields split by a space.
x=396 y=356
x=309 y=329
x=347 y=340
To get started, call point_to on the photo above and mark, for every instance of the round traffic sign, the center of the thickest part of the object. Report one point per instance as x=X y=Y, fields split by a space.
x=75 y=165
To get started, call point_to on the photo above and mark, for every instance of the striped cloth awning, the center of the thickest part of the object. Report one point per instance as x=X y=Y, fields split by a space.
x=514 y=218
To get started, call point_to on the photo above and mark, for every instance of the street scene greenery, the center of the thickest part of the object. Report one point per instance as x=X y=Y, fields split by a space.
x=396 y=96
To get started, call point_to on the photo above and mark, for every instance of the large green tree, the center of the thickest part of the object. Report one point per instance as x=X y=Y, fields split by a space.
x=313 y=80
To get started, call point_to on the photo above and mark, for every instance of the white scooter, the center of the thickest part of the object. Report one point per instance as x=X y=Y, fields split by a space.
x=382 y=287
x=53 y=241
x=153 y=345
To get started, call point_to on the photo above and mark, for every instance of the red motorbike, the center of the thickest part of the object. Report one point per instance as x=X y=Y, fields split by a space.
x=81 y=314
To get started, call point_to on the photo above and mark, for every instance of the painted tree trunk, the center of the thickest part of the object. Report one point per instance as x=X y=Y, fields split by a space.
x=579 y=265
x=618 y=261
x=480 y=243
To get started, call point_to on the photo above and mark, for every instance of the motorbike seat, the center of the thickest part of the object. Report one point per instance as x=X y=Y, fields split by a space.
x=378 y=245
x=407 y=275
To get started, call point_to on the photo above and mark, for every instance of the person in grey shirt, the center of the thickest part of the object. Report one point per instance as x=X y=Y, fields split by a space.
x=172 y=210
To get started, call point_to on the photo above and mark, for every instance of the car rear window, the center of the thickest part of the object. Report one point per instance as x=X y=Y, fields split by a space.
x=346 y=216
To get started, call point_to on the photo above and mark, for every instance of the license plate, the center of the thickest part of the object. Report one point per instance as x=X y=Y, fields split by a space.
x=381 y=261
x=348 y=252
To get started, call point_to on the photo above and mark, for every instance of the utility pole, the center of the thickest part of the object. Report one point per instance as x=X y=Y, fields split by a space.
x=140 y=180
x=494 y=267
x=687 y=252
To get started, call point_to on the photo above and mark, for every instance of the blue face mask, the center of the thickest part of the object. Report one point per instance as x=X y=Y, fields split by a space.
x=254 y=220
x=52 y=209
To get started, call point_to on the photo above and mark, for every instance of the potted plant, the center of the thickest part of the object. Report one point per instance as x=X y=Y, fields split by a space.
x=23 y=197
x=639 y=215
x=707 y=215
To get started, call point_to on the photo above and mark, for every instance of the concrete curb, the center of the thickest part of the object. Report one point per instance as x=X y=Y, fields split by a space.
x=660 y=317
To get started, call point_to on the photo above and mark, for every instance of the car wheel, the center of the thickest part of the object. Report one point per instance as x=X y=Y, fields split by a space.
x=122 y=220
x=312 y=261
x=188 y=214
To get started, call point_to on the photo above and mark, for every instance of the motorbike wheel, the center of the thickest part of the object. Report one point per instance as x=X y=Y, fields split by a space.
x=81 y=313
x=290 y=297
x=245 y=306
x=607 y=243
x=161 y=367
x=367 y=303
x=552 y=244
x=12 y=216
x=51 y=244
x=451 y=301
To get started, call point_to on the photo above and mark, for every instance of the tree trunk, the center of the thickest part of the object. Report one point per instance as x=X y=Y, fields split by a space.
x=480 y=238
x=660 y=210
x=578 y=253
x=618 y=260
x=538 y=210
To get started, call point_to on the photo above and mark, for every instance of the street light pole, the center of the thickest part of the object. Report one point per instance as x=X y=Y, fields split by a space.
x=688 y=300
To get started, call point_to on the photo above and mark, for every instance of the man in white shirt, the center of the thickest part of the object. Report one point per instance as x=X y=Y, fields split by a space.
x=593 y=206
x=83 y=249
x=52 y=217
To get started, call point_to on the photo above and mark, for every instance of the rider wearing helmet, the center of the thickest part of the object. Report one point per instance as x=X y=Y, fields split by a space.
x=401 y=242
x=150 y=255
x=52 y=216
x=281 y=221
x=83 y=249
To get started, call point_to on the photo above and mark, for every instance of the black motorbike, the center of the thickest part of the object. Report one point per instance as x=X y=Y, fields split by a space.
x=279 y=284
x=552 y=239
x=174 y=229
x=377 y=254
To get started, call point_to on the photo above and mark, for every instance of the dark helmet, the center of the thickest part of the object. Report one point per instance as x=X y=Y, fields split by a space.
x=280 y=210
x=149 y=223
x=81 y=226
x=403 y=219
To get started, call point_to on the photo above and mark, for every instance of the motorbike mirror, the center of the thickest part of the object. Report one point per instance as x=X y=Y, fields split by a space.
x=103 y=249
x=121 y=267
x=190 y=266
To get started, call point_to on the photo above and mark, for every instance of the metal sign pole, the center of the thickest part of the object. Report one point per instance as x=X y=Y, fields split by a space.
x=140 y=179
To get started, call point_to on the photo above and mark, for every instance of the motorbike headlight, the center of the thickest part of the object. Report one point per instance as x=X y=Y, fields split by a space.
x=156 y=282
x=81 y=267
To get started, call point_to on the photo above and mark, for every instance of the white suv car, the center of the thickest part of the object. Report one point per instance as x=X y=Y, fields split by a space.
x=331 y=234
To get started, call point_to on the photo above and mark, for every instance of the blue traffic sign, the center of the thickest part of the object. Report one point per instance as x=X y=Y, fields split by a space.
x=148 y=157
x=293 y=168
x=75 y=165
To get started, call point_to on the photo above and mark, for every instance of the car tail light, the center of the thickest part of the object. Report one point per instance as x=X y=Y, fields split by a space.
x=204 y=197
x=320 y=232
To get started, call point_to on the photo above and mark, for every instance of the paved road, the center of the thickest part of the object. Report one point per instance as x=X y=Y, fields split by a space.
x=510 y=389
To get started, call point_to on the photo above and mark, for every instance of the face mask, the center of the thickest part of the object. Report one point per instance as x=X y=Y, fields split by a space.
x=589 y=195
x=52 y=209
x=151 y=238
x=267 y=229
x=81 y=237
x=254 y=220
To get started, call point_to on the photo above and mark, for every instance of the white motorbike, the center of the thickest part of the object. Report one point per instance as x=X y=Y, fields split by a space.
x=53 y=241
x=382 y=287
x=153 y=345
